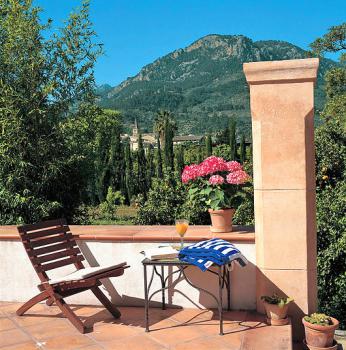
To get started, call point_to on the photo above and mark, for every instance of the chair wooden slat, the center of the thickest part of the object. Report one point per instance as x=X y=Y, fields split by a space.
x=42 y=242
x=41 y=225
x=60 y=263
x=55 y=256
x=44 y=233
x=51 y=248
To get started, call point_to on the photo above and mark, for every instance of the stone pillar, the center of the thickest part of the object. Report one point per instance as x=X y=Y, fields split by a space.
x=282 y=109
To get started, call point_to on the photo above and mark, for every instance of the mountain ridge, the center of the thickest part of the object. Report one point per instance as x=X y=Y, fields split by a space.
x=203 y=83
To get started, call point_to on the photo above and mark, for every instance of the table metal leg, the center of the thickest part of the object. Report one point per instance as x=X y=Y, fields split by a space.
x=146 y=302
x=163 y=288
x=228 y=288
x=220 y=299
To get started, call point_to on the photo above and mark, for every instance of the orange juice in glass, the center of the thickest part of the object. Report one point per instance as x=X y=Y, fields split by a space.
x=181 y=226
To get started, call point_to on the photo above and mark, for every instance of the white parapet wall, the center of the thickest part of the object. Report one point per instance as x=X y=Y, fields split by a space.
x=19 y=280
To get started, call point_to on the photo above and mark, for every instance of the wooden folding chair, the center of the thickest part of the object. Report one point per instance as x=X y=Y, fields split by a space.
x=50 y=245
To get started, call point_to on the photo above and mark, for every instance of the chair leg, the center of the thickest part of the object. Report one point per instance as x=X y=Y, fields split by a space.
x=70 y=315
x=50 y=301
x=32 y=302
x=105 y=301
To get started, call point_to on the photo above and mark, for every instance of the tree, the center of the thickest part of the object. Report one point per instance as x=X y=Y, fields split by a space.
x=333 y=41
x=331 y=184
x=232 y=139
x=128 y=172
x=162 y=119
x=150 y=166
x=180 y=159
x=142 y=167
x=242 y=149
x=208 y=145
x=159 y=172
x=168 y=148
x=42 y=174
x=108 y=169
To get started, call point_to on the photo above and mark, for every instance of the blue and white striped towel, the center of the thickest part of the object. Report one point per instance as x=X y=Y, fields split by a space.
x=213 y=251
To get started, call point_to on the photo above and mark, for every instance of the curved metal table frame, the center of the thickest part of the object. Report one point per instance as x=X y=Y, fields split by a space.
x=223 y=274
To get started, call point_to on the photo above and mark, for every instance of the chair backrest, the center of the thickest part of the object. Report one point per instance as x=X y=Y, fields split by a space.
x=50 y=245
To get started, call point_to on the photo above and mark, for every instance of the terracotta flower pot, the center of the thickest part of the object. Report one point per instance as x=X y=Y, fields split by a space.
x=276 y=315
x=221 y=220
x=320 y=336
x=335 y=346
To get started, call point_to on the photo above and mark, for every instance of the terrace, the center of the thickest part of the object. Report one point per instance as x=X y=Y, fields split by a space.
x=281 y=250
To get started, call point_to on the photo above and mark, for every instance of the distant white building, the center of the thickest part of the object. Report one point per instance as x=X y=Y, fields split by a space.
x=150 y=138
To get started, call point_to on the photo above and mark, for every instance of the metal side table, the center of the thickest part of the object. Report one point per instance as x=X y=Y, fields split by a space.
x=222 y=272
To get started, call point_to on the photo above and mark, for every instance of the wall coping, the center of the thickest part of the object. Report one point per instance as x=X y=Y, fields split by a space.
x=132 y=233
x=300 y=70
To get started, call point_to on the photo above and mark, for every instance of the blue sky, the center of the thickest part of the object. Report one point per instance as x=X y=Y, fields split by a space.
x=136 y=32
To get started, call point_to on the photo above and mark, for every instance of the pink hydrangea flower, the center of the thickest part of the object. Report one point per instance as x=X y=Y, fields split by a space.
x=234 y=166
x=212 y=165
x=190 y=172
x=216 y=180
x=237 y=177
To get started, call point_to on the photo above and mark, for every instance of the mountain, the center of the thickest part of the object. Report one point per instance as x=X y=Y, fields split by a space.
x=203 y=84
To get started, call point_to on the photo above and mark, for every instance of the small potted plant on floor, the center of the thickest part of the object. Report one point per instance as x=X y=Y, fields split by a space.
x=218 y=185
x=276 y=309
x=319 y=331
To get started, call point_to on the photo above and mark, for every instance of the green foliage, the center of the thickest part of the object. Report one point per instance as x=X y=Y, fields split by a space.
x=216 y=197
x=319 y=319
x=142 y=167
x=242 y=147
x=43 y=168
x=150 y=166
x=233 y=139
x=179 y=159
x=275 y=299
x=109 y=206
x=204 y=86
x=159 y=171
x=208 y=146
x=129 y=175
x=331 y=189
x=336 y=82
x=164 y=200
x=222 y=151
x=109 y=166
x=333 y=41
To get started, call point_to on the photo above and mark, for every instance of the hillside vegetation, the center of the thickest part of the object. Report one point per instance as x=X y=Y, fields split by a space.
x=203 y=84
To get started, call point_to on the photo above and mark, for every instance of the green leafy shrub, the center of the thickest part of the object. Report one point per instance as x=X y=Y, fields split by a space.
x=165 y=199
x=319 y=319
x=108 y=208
x=331 y=203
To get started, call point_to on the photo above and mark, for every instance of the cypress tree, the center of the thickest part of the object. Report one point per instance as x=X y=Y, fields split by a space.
x=251 y=152
x=128 y=172
x=180 y=159
x=199 y=154
x=242 y=149
x=168 y=150
x=141 y=176
x=159 y=173
x=116 y=163
x=232 y=139
x=150 y=166
x=208 y=145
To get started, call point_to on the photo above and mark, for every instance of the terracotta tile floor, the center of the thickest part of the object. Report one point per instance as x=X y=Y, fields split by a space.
x=44 y=328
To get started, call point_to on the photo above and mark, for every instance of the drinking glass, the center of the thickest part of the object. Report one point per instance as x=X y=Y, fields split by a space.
x=181 y=226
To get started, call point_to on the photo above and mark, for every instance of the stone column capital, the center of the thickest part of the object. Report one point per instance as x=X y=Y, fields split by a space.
x=285 y=71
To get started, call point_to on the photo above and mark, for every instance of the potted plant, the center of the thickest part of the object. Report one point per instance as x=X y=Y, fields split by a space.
x=218 y=184
x=276 y=308
x=319 y=331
